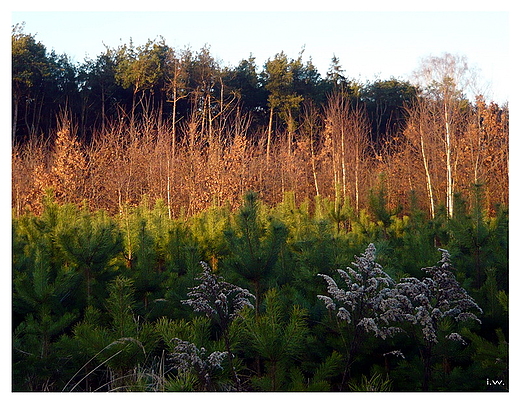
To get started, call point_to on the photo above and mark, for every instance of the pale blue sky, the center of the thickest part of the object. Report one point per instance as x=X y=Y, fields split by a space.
x=368 y=44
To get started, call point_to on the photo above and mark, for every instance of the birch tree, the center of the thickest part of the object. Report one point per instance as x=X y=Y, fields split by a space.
x=421 y=144
x=444 y=79
x=485 y=150
x=176 y=84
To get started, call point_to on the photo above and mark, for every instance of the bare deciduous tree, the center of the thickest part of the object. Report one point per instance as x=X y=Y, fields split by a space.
x=444 y=79
x=347 y=133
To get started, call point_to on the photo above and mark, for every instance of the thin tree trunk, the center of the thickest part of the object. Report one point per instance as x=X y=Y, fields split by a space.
x=343 y=168
x=168 y=188
x=210 y=123
x=103 y=115
x=174 y=123
x=356 y=173
x=290 y=134
x=269 y=131
x=132 y=113
x=15 y=117
x=449 y=174
x=428 y=177
x=313 y=165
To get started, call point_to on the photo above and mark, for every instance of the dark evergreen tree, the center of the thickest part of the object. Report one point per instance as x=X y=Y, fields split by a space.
x=90 y=241
x=254 y=243
x=277 y=338
x=100 y=92
x=386 y=102
x=39 y=293
x=117 y=342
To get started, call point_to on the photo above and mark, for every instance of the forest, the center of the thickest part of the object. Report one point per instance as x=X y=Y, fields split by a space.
x=181 y=225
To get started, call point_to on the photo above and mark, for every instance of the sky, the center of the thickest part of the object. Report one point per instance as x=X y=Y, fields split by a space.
x=369 y=44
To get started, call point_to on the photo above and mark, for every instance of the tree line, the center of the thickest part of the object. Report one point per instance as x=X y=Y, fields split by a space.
x=157 y=81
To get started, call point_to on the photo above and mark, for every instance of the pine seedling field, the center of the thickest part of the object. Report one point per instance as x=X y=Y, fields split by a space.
x=260 y=298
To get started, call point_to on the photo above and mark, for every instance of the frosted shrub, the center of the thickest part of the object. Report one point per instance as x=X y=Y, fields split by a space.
x=380 y=303
x=217 y=299
x=373 y=302
x=360 y=301
x=188 y=358
x=358 y=304
x=222 y=302
x=426 y=302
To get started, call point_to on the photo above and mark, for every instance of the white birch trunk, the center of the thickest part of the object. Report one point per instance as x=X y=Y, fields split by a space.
x=428 y=176
x=449 y=167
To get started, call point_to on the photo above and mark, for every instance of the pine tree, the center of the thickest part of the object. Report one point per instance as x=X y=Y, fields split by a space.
x=120 y=345
x=146 y=249
x=321 y=377
x=208 y=228
x=255 y=244
x=38 y=294
x=378 y=204
x=44 y=301
x=277 y=338
x=490 y=360
x=89 y=241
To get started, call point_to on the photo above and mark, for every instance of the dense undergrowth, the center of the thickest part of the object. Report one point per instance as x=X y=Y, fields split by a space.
x=228 y=300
